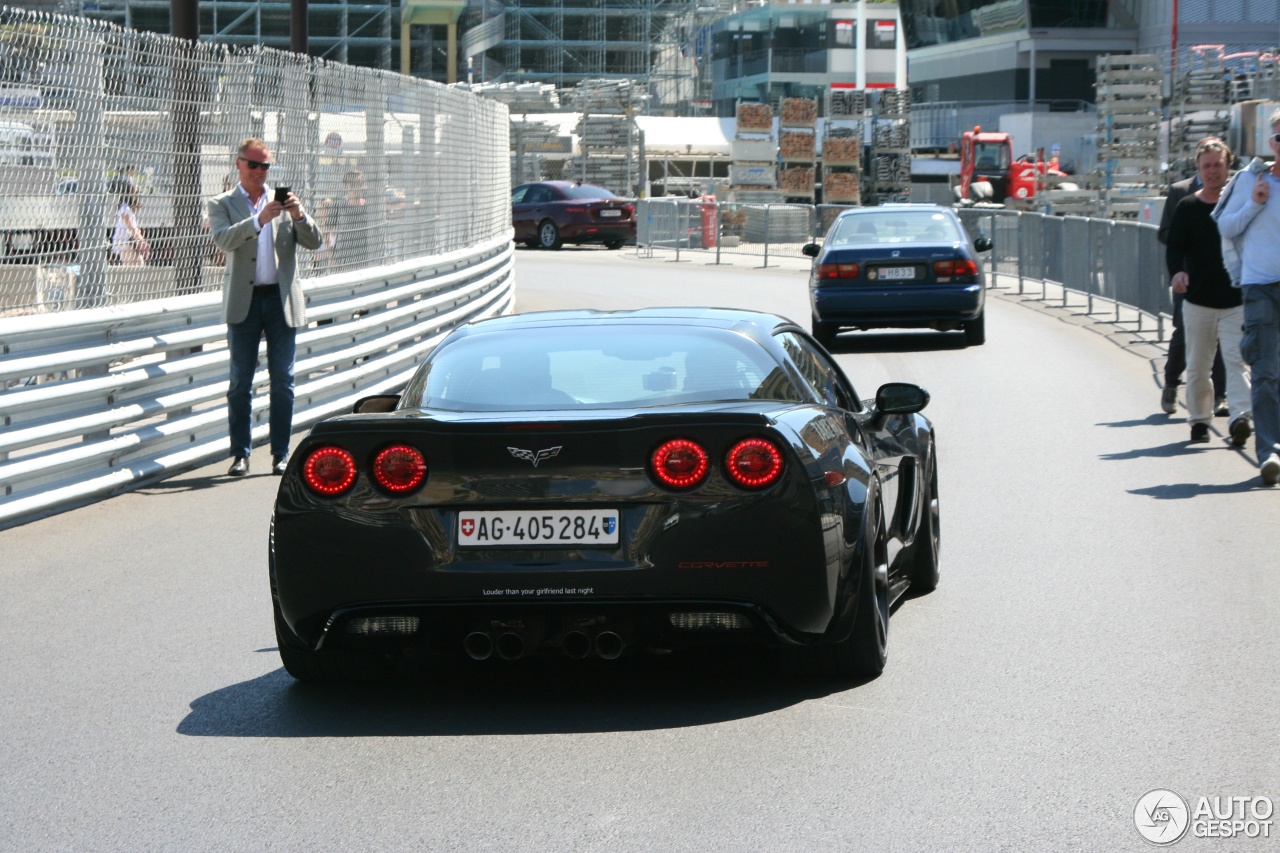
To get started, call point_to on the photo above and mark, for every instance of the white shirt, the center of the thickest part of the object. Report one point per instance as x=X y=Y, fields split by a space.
x=265 y=271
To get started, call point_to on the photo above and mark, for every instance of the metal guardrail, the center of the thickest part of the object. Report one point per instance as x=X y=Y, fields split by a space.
x=1110 y=264
x=98 y=401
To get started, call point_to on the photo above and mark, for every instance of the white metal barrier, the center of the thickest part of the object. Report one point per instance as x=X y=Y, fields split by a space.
x=98 y=401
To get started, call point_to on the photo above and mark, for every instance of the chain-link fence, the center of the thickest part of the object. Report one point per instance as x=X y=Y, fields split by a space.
x=98 y=123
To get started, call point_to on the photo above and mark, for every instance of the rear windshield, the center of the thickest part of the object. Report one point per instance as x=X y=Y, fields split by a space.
x=587 y=191
x=898 y=226
x=597 y=367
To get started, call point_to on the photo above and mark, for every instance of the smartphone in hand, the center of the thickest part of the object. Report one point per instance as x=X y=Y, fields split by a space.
x=282 y=194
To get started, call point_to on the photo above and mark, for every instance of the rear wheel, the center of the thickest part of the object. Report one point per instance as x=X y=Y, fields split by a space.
x=928 y=543
x=299 y=661
x=864 y=652
x=975 y=331
x=824 y=333
x=614 y=244
x=549 y=235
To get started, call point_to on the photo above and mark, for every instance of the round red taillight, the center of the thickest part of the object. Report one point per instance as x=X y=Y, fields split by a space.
x=753 y=463
x=680 y=464
x=329 y=471
x=399 y=469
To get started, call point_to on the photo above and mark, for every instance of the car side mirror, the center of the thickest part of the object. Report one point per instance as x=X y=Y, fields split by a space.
x=811 y=250
x=982 y=244
x=900 y=398
x=376 y=403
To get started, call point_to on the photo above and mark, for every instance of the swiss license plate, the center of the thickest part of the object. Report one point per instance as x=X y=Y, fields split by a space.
x=537 y=528
x=897 y=273
x=610 y=213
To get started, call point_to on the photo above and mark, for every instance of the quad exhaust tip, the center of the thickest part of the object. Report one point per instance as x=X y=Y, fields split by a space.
x=510 y=645
x=608 y=645
x=478 y=645
x=576 y=645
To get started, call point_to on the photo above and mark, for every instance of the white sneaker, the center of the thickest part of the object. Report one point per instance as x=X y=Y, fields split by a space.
x=1271 y=470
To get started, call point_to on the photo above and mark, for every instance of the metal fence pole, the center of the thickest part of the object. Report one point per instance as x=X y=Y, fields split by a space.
x=766 y=235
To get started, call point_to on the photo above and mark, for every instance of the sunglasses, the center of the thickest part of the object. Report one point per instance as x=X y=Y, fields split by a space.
x=254 y=164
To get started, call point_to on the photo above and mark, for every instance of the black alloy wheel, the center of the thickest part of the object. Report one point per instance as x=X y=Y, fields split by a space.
x=865 y=651
x=928 y=541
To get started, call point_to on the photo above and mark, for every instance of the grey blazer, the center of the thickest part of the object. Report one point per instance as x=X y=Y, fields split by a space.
x=231 y=225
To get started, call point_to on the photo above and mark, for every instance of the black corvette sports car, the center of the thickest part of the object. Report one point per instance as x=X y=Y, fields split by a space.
x=590 y=483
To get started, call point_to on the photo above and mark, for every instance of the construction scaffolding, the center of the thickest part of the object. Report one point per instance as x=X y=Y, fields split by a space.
x=353 y=33
x=565 y=42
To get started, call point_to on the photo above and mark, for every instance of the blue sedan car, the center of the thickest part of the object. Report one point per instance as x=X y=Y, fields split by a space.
x=898 y=266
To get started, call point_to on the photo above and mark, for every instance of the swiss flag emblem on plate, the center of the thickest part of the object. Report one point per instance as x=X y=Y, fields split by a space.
x=468 y=526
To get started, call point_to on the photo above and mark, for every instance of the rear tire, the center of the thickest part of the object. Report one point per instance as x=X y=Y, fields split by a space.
x=975 y=331
x=928 y=542
x=865 y=651
x=613 y=245
x=824 y=333
x=549 y=235
x=299 y=661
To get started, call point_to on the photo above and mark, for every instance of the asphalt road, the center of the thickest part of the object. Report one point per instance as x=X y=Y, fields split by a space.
x=1108 y=623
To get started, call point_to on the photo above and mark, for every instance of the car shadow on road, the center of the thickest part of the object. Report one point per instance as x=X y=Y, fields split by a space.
x=510 y=698
x=869 y=342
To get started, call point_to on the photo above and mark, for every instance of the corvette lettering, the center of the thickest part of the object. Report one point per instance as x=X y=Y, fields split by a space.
x=726 y=564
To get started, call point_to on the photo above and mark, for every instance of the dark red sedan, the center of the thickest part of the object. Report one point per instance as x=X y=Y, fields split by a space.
x=548 y=214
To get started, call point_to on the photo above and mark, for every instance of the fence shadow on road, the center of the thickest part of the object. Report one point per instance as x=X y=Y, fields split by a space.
x=510 y=698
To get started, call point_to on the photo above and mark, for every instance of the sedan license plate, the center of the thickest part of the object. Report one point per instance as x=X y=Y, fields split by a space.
x=897 y=273
x=537 y=529
x=610 y=213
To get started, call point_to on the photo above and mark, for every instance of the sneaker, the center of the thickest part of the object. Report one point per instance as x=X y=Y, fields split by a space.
x=1199 y=433
x=1221 y=409
x=1240 y=431
x=1169 y=399
x=239 y=467
x=1271 y=470
x=278 y=464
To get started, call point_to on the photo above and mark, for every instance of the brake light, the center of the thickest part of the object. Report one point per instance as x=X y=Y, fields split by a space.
x=753 y=463
x=629 y=209
x=679 y=464
x=575 y=210
x=329 y=471
x=960 y=266
x=399 y=469
x=837 y=271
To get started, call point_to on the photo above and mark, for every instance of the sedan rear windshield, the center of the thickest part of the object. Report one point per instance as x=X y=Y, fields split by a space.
x=898 y=226
x=598 y=367
x=587 y=191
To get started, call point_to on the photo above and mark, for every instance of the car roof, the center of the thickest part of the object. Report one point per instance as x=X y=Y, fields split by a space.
x=896 y=207
x=558 y=184
x=759 y=324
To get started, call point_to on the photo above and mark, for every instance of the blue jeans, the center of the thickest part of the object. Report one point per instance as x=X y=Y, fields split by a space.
x=266 y=317
x=1260 y=347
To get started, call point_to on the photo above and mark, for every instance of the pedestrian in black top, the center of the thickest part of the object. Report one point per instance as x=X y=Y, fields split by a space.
x=1211 y=312
x=1175 y=363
